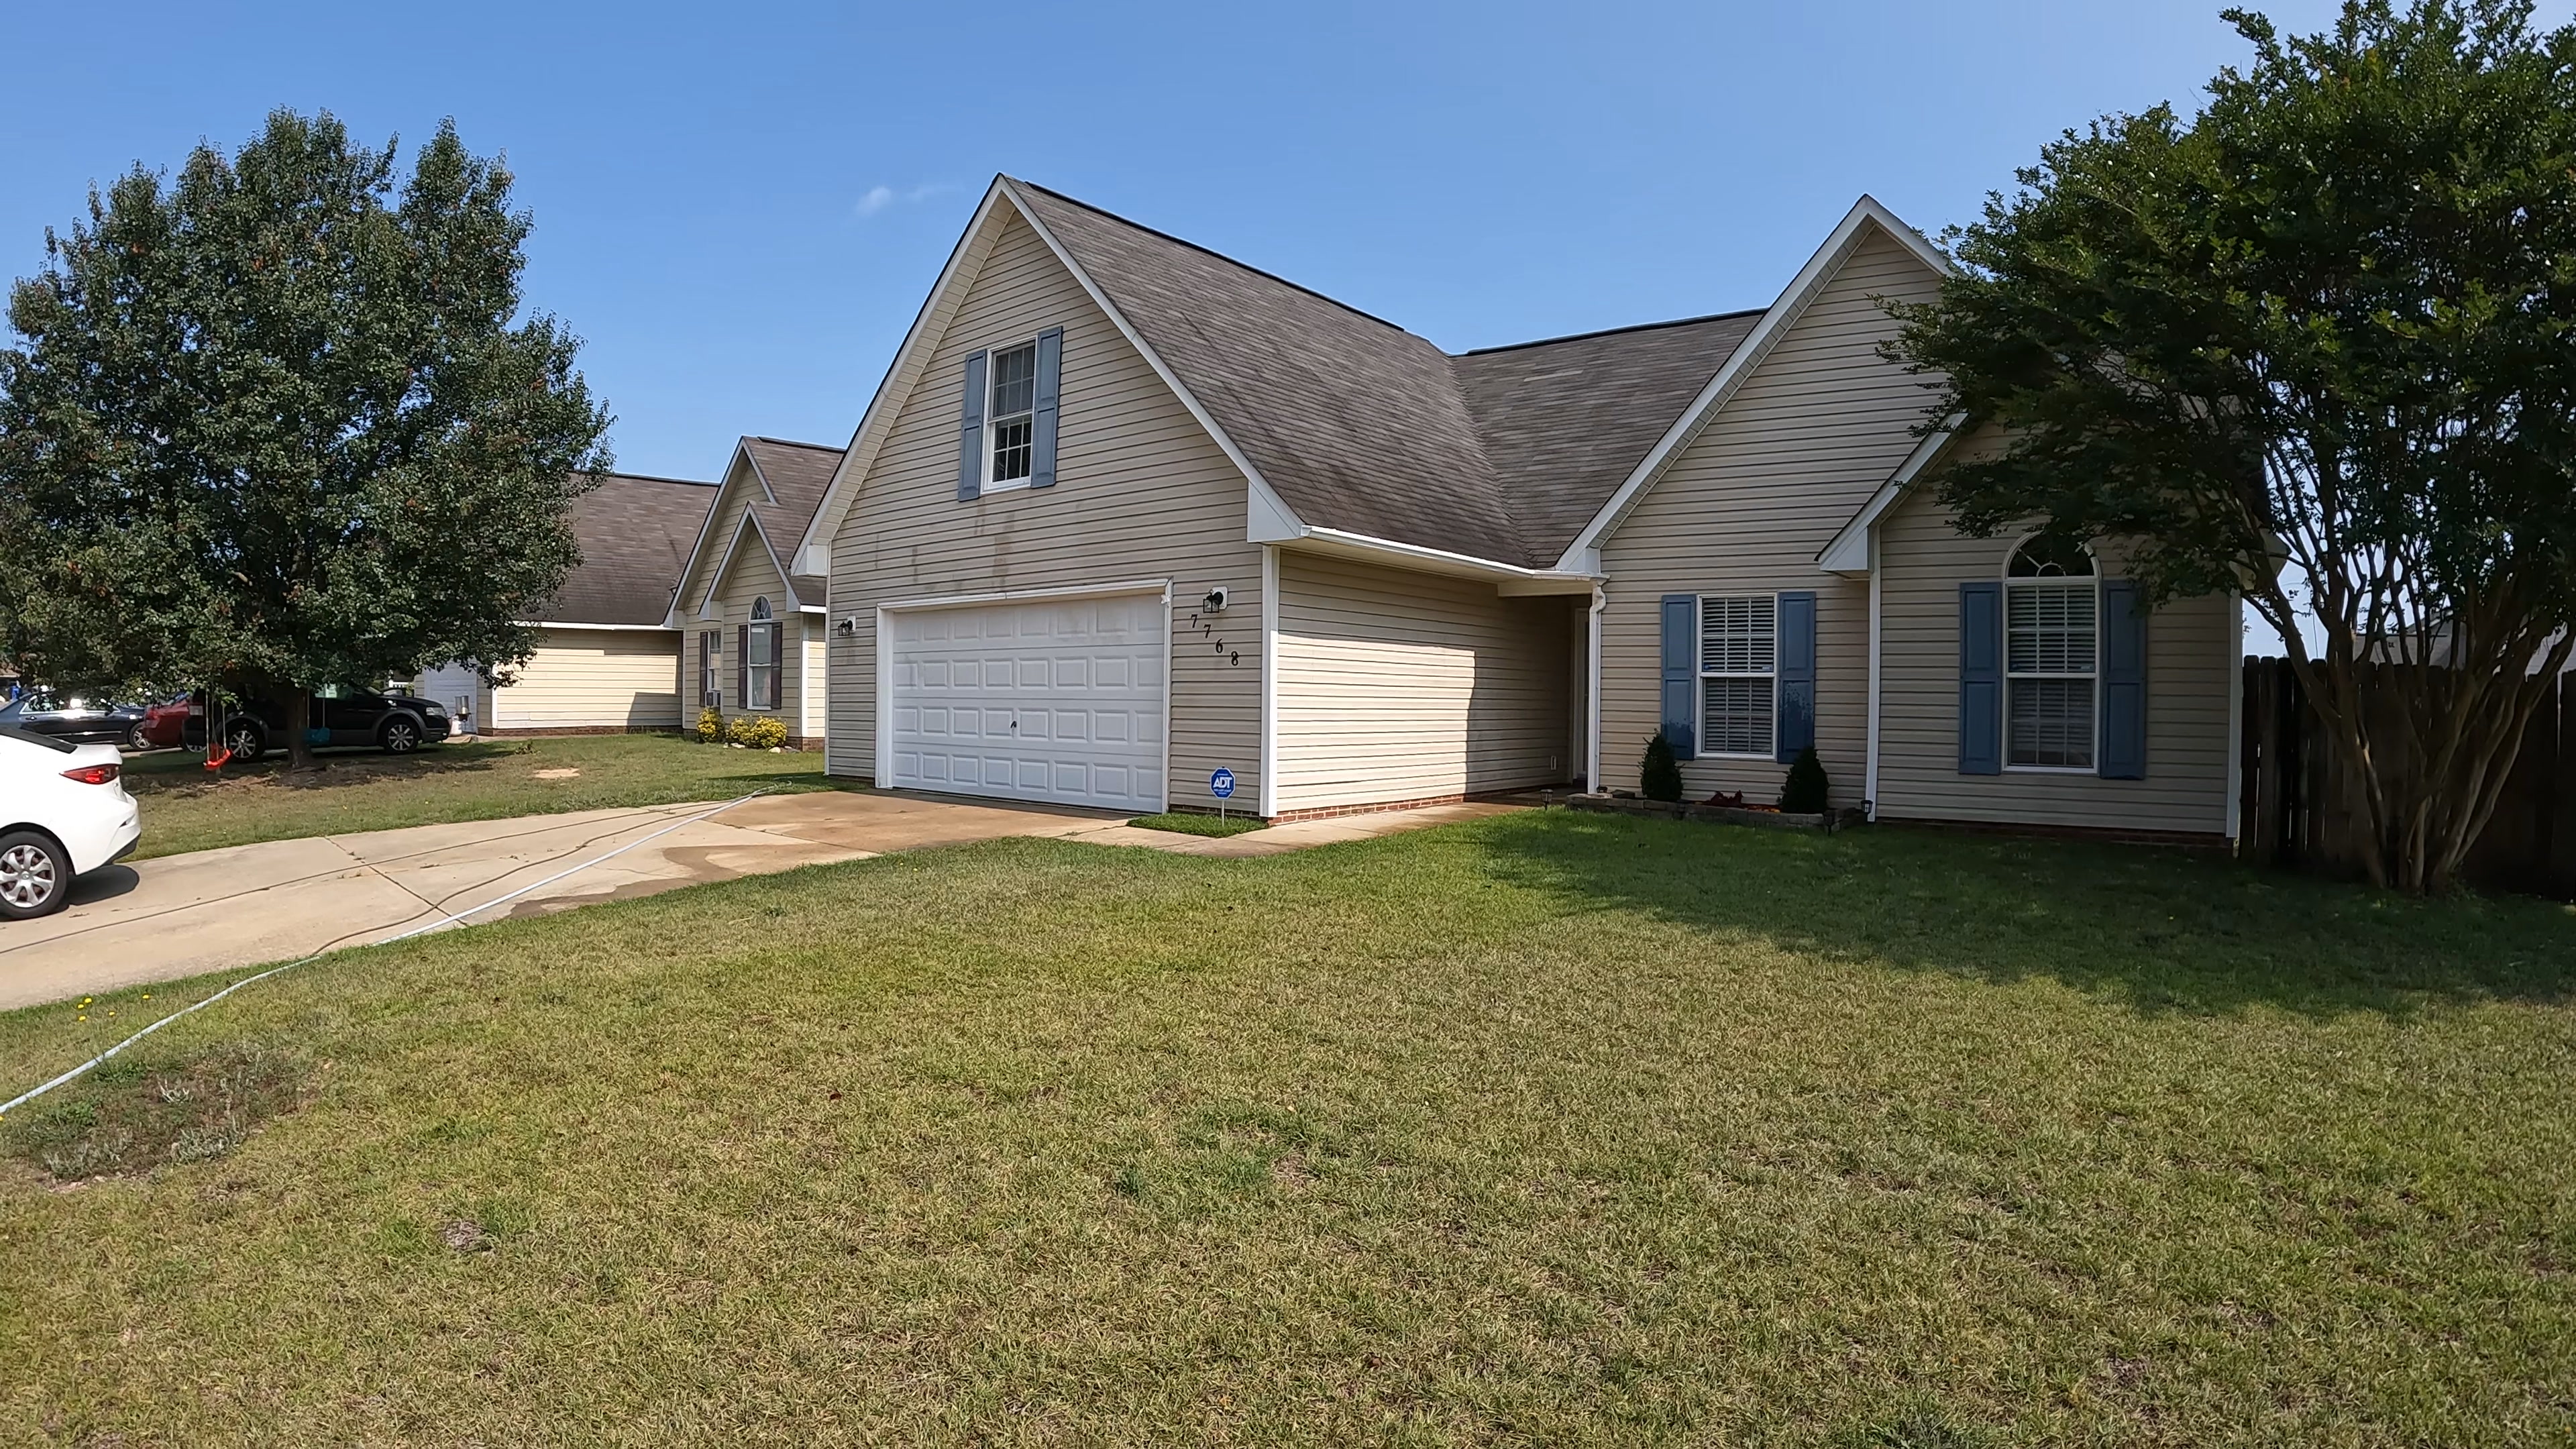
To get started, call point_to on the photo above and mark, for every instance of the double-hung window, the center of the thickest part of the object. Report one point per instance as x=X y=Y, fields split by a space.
x=711 y=668
x=760 y=659
x=2052 y=655
x=1738 y=673
x=1011 y=416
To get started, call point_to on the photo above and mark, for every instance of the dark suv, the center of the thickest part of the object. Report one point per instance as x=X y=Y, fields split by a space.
x=341 y=716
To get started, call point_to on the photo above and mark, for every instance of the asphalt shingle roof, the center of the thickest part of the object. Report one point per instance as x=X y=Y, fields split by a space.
x=1362 y=426
x=798 y=474
x=635 y=535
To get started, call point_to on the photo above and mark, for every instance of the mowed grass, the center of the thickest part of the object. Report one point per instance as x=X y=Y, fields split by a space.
x=1547 y=1128
x=186 y=807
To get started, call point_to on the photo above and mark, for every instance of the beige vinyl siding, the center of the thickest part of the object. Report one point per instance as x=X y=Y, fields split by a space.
x=602 y=679
x=1395 y=685
x=812 y=665
x=2192 y=653
x=725 y=526
x=1814 y=430
x=750 y=578
x=1143 y=494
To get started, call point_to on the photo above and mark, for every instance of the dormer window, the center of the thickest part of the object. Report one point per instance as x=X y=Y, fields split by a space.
x=1013 y=415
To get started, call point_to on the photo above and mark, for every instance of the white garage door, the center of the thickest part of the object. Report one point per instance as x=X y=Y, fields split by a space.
x=1053 y=700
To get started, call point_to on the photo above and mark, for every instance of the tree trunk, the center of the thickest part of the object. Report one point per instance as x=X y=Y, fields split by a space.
x=299 y=724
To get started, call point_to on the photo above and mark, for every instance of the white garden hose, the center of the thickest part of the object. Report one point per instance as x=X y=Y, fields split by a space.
x=450 y=918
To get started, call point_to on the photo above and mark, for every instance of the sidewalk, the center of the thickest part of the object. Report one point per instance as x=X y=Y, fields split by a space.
x=182 y=915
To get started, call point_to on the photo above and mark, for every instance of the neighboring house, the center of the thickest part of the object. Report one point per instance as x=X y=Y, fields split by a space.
x=1125 y=512
x=751 y=628
x=606 y=661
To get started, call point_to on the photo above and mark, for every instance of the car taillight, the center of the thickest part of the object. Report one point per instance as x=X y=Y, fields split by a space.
x=93 y=774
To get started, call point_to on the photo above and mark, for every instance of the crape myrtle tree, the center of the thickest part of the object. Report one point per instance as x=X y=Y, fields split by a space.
x=273 y=426
x=2317 y=343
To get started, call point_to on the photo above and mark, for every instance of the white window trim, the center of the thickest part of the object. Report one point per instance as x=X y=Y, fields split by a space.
x=711 y=669
x=2010 y=674
x=751 y=671
x=993 y=423
x=1700 y=678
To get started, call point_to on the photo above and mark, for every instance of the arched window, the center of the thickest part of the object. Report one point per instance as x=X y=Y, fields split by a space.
x=2052 y=653
x=760 y=658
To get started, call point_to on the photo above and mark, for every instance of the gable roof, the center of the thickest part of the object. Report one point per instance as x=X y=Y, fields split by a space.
x=793 y=476
x=786 y=481
x=1350 y=428
x=1566 y=420
x=634 y=534
x=1354 y=422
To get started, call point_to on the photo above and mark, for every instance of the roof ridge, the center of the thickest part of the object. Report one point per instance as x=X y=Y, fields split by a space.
x=1614 y=331
x=645 y=477
x=792 y=443
x=1212 y=252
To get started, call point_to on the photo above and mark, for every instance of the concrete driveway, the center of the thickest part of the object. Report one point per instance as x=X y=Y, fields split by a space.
x=182 y=915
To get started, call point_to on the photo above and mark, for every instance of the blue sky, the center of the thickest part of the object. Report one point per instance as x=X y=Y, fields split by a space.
x=740 y=207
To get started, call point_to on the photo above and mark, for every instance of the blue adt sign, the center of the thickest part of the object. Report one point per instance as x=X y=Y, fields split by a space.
x=1222 y=783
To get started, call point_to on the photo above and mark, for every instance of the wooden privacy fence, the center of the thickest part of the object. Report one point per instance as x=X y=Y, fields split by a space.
x=2298 y=807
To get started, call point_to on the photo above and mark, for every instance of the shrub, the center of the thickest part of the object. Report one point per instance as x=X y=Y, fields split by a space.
x=757 y=732
x=711 y=727
x=1660 y=777
x=1806 y=790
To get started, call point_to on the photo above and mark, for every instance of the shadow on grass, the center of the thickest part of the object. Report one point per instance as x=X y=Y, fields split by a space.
x=189 y=776
x=2166 y=930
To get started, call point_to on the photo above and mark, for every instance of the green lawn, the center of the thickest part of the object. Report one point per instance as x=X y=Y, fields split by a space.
x=1190 y=822
x=187 y=808
x=1548 y=1128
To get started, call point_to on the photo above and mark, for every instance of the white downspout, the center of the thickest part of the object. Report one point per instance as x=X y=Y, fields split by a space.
x=1592 y=701
x=1869 y=786
x=1269 y=791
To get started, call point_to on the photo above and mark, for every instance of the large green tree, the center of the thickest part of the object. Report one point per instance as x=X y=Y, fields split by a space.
x=2318 y=343
x=277 y=424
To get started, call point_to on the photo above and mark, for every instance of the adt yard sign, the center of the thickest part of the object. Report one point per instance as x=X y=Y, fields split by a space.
x=1221 y=784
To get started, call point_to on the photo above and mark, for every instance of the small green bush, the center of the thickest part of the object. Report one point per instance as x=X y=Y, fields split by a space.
x=711 y=726
x=757 y=732
x=1660 y=777
x=1806 y=790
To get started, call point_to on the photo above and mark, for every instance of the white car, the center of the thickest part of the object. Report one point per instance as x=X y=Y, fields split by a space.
x=63 y=813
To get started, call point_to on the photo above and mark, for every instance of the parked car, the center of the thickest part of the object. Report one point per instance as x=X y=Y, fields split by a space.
x=77 y=718
x=340 y=716
x=63 y=813
x=165 y=725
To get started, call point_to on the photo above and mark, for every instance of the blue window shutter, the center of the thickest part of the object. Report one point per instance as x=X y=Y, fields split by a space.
x=1796 y=663
x=970 y=434
x=1681 y=674
x=1981 y=679
x=1042 y=427
x=2124 y=681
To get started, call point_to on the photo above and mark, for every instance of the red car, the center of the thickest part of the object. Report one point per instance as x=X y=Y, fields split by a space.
x=164 y=725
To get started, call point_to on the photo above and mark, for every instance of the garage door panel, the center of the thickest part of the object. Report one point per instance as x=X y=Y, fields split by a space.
x=1059 y=702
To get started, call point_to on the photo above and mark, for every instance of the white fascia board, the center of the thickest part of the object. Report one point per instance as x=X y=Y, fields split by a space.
x=580 y=624
x=706 y=525
x=1261 y=499
x=897 y=384
x=1507 y=578
x=1266 y=519
x=1749 y=355
x=1848 y=552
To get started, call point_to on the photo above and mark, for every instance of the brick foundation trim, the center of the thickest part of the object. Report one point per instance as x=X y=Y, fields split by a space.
x=1327 y=812
x=2096 y=834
